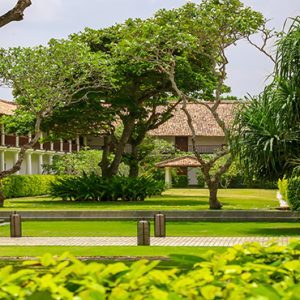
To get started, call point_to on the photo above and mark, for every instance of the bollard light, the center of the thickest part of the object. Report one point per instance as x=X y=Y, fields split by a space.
x=159 y=225
x=143 y=233
x=15 y=225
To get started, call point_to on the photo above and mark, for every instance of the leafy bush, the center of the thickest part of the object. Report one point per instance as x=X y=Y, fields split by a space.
x=247 y=271
x=180 y=181
x=92 y=187
x=293 y=193
x=27 y=185
x=200 y=180
x=283 y=187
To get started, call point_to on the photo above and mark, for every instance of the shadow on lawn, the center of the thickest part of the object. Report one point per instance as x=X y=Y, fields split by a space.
x=292 y=231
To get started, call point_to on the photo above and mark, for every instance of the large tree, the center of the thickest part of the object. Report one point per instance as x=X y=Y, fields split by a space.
x=45 y=79
x=268 y=136
x=142 y=98
x=219 y=24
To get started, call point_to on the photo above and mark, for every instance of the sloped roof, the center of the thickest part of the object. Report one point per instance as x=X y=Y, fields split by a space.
x=184 y=161
x=7 y=107
x=203 y=120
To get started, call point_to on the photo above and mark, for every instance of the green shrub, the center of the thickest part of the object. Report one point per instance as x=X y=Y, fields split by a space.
x=200 y=180
x=91 y=187
x=246 y=271
x=283 y=187
x=180 y=181
x=27 y=185
x=293 y=193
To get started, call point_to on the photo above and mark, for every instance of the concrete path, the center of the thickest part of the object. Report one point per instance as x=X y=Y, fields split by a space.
x=132 y=241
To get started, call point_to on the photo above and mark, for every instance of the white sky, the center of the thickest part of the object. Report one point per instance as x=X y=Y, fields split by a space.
x=46 y=19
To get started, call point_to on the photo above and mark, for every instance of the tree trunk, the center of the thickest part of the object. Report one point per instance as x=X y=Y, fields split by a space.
x=213 y=199
x=127 y=131
x=2 y=196
x=104 y=163
x=134 y=162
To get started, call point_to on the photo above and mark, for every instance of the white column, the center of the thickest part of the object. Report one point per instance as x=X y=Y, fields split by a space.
x=40 y=163
x=70 y=145
x=2 y=160
x=77 y=144
x=2 y=135
x=41 y=144
x=16 y=156
x=51 y=146
x=29 y=137
x=168 y=177
x=61 y=145
x=17 y=140
x=29 y=163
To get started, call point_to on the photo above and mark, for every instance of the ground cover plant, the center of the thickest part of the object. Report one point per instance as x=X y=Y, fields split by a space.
x=92 y=187
x=247 y=271
x=172 y=199
x=129 y=228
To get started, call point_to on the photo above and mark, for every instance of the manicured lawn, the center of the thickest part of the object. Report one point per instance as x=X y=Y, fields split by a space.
x=128 y=228
x=173 y=199
x=108 y=251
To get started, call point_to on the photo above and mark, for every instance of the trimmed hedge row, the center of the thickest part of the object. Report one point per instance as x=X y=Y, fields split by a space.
x=247 y=271
x=293 y=193
x=27 y=185
x=91 y=187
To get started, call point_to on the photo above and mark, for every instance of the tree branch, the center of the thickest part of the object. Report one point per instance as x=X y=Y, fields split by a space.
x=16 y=13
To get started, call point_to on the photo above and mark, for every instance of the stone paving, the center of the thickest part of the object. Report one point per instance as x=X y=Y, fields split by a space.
x=132 y=241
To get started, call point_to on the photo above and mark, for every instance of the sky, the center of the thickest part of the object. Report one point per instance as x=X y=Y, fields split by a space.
x=45 y=19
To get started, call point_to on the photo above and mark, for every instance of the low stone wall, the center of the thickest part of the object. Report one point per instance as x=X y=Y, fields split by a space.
x=172 y=215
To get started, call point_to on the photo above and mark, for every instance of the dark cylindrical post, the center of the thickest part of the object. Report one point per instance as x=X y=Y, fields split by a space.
x=143 y=233
x=15 y=225
x=159 y=225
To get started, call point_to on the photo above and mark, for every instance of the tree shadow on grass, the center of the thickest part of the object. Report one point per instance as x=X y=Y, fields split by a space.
x=292 y=231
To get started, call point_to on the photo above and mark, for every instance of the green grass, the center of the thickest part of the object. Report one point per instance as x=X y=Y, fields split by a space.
x=128 y=228
x=108 y=251
x=173 y=199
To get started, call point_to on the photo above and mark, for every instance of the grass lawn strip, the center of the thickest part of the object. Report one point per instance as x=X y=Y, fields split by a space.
x=172 y=199
x=129 y=228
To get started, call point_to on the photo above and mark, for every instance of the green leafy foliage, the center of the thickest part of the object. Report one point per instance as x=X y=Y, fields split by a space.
x=248 y=271
x=180 y=181
x=27 y=185
x=91 y=187
x=76 y=163
x=283 y=187
x=293 y=193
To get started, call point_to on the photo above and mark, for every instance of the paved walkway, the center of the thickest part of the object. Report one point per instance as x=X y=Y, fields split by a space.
x=132 y=241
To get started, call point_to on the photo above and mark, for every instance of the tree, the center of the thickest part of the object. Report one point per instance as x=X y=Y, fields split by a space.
x=16 y=13
x=268 y=133
x=45 y=79
x=142 y=96
x=219 y=24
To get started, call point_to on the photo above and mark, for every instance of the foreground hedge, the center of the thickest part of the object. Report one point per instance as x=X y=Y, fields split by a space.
x=91 y=187
x=242 y=272
x=27 y=185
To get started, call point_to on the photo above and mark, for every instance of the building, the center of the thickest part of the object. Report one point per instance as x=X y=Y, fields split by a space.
x=209 y=137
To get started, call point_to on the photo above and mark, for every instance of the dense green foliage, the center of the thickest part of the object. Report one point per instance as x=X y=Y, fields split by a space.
x=180 y=181
x=247 y=271
x=76 y=163
x=293 y=193
x=91 y=187
x=27 y=185
x=269 y=125
x=283 y=187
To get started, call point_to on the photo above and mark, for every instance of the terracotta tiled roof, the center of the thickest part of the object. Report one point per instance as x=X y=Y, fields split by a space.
x=7 y=107
x=184 y=161
x=204 y=122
